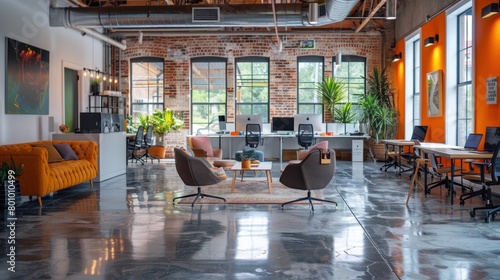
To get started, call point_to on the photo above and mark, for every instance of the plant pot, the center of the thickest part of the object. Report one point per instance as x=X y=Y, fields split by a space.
x=246 y=164
x=378 y=151
x=10 y=193
x=95 y=89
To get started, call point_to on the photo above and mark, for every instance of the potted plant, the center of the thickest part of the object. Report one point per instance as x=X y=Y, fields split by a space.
x=9 y=175
x=345 y=115
x=378 y=114
x=331 y=91
x=95 y=86
x=165 y=121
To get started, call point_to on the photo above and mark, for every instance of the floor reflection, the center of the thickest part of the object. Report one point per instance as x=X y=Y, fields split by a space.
x=128 y=228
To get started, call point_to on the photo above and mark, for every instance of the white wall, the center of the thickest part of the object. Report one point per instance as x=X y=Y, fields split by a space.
x=28 y=21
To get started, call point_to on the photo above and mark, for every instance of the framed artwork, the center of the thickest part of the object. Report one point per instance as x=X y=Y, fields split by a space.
x=26 y=79
x=434 y=94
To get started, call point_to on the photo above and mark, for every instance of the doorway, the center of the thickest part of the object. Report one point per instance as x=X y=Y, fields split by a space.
x=71 y=98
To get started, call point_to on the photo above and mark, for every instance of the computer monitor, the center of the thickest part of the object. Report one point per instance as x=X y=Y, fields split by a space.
x=282 y=124
x=492 y=136
x=473 y=141
x=419 y=132
x=315 y=119
x=241 y=121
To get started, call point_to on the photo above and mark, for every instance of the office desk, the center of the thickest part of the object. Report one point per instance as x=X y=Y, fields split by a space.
x=273 y=144
x=453 y=154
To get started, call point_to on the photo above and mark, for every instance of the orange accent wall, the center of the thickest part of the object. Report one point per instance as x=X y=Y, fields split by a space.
x=486 y=65
x=432 y=59
x=399 y=85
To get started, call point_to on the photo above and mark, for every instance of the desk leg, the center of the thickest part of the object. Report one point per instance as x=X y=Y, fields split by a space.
x=234 y=181
x=281 y=152
x=269 y=180
x=452 y=188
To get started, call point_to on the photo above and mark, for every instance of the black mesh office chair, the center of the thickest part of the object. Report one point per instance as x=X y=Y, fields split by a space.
x=482 y=178
x=305 y=136
x=253 y=135
x=135 y=145
x=148 y=142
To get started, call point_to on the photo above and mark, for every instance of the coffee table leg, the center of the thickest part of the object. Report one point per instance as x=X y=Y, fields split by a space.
x=269 y=180
x=234 y=181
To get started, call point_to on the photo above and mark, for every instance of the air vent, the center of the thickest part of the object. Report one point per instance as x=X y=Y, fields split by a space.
x=322 y=10
x=207 y=14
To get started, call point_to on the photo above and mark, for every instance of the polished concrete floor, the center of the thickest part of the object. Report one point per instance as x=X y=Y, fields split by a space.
x=115 y=231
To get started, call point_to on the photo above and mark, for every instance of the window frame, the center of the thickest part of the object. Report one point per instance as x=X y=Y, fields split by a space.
x=252 y=59
x=210 y=124
x=318 y=103
x=160 y=86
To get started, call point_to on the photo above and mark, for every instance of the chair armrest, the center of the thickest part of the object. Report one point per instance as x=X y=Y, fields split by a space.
x=199 y=152
x=217 y=153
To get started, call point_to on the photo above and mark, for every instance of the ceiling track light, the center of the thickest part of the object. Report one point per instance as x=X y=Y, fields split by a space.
x=490 y=10
x=99 y=74
x=429 y=41
x=397 y=57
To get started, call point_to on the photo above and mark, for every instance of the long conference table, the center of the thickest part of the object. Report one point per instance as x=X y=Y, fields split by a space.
x=273 y=144
x=451 y=152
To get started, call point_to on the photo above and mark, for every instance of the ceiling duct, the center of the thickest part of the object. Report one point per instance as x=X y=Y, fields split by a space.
x=244 y=15
x=206 y=14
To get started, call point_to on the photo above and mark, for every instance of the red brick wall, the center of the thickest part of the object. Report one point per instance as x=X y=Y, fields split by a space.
x=177 y=52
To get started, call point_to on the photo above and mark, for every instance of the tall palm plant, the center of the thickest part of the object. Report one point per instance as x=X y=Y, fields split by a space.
x=331 y=91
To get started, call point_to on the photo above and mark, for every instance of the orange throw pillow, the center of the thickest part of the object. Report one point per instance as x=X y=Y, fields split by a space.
x=54 y=155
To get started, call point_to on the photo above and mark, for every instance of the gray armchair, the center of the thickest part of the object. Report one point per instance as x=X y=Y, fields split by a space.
x=195 y=171
x=309 y=174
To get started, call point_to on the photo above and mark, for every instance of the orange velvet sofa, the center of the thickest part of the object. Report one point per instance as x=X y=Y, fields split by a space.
x=40 y=177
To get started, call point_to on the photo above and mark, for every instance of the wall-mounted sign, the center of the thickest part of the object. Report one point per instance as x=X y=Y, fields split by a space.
x=491 y=90
x=306 y=44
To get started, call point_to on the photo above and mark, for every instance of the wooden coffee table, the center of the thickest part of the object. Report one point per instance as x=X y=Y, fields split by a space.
x=263 y=166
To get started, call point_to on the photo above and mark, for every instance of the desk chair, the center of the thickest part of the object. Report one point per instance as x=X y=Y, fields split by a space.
x=305 y=136
x=441 y=173
x=253 y=137
x=148 y=142
x=195 y=171
x=392 y=157
x=494 y=166
x=309 y=174
x=137 y=144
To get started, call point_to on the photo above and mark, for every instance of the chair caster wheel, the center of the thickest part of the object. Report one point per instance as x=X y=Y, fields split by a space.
x=472 y=213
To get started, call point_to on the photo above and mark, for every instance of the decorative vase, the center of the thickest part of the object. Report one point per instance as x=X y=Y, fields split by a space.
x=246 y=163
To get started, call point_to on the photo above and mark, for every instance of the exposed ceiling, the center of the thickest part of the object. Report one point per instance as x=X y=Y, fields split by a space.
x=121 y=17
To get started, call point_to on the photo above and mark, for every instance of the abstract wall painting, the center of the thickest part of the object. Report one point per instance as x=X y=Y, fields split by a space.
x=434 y=94
x=27 y=79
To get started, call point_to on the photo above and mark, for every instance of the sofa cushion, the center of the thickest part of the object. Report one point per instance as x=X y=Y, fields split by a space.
x=54 y=155
x=65 y=151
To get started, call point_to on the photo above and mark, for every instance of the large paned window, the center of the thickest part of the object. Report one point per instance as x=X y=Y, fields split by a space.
x=252 y=87
x=351 y=71
x=417 y=112
x=465 y=109
x=310 y=72
x=146 y=93
x=208 y=93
